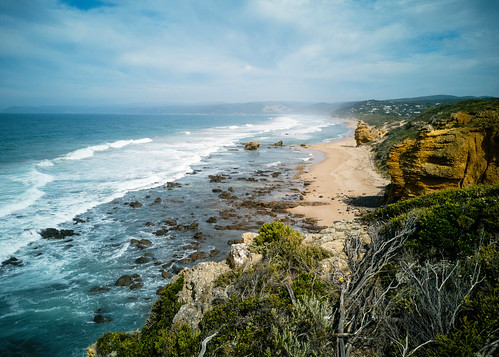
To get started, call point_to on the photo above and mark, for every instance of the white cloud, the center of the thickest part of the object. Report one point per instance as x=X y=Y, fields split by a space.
x=259 y=49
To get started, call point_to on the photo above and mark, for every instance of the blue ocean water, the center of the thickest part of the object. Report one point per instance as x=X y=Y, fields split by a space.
x=54 y=168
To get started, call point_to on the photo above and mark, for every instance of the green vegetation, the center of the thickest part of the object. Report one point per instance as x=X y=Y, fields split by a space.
x=426 y=285
x=275 y=231
x=451 y=224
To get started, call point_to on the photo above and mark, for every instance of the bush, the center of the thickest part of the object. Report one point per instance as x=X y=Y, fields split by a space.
x=271 y=232
x=451 y=224
x=243 y=327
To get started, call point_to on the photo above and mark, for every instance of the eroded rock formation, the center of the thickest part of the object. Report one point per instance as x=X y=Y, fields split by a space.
x=252 y=145
x=456 y=152
x=364 y=134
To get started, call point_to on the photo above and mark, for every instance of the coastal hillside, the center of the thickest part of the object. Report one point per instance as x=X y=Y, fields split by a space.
x=416 y=277
x=420 y=277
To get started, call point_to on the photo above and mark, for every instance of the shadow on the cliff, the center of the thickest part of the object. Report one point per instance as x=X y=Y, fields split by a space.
x=366 y=201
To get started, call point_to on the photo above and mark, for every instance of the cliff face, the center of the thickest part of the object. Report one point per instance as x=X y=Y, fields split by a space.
x=364 y=134
x=459 y=151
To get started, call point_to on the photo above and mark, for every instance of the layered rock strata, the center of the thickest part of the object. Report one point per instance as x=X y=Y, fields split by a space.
x=456 y=152
x=364 y=134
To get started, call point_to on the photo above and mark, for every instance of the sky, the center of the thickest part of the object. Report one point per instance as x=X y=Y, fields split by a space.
x=150 y=52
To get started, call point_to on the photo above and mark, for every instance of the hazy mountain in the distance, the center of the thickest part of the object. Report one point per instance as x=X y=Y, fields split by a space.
x=271 y=107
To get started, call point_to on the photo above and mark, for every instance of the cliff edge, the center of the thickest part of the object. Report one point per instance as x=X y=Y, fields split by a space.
x=453 y=152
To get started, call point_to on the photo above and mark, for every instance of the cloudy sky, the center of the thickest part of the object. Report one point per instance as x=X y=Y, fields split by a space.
x=76 y=52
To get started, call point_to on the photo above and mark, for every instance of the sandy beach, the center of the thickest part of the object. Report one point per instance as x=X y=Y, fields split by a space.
x=347 y=171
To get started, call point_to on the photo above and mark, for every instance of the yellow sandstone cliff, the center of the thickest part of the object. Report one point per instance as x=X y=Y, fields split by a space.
x=364 y=134
x=459 y=151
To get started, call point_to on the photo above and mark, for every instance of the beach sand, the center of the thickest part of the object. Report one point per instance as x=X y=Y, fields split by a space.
x=345 y=172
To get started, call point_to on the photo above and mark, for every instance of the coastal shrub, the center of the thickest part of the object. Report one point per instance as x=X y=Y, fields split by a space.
x=451 y=224
x=306 y=285
x=243 y=327
x=293 y=257
x=164 y=308
x=271 y=232
x=121 y=343
x=477 y=330
x=259 y=281
x=179 y=341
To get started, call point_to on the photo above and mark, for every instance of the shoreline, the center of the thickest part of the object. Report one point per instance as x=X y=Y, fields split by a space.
x=345 y=173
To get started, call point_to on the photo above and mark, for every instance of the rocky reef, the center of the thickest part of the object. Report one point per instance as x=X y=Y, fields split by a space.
x=457 y=151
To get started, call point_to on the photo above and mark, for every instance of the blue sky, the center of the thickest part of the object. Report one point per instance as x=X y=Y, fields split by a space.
x=76 y=52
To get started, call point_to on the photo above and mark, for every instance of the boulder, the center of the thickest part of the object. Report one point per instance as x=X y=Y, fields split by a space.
x=198 y=255
x=135 y=204
x=170 y=222
x=124 y=280
x=279 y=143
x=53 y=233
x=249 y=237
x=364 y=134
x=199 y=291
x=211 y=220
x=252 y=145
x=99 y=319
x=142 y=260
x=239 y=255
x=12 y=261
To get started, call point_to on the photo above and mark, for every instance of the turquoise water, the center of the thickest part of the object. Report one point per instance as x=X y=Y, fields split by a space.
x=54 y=168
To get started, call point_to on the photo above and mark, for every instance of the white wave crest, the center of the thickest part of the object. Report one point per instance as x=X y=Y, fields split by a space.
x=35 y=181
x=89 y=151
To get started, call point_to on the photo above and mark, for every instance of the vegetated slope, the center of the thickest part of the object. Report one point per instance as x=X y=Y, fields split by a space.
x=425 y=281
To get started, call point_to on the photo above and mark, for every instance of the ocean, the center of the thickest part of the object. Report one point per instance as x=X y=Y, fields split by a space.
x=115 y=180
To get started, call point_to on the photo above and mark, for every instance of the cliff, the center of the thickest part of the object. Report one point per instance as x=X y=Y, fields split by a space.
x=453 y=152
x=364 y=134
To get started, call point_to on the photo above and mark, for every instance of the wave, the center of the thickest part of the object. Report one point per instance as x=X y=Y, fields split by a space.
x=273 y=164
x=89 y=151
x=35 y=180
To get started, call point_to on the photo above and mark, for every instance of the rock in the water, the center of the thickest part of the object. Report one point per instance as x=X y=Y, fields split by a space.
x=145 y=242
x=99 y=319
x=279 y=143
x=98 y=290
x=211 y=220
x=53 y=233
x=161 y=232
x=125 y=280
x=165 y=274
x=214 y=252
x=135 y=286
x=227 y=196
x=252 y=145
x=12 y=261
x=170 y=222
x=156 y=201
x=198 y=255
x=142 y=260
x=135 y=204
